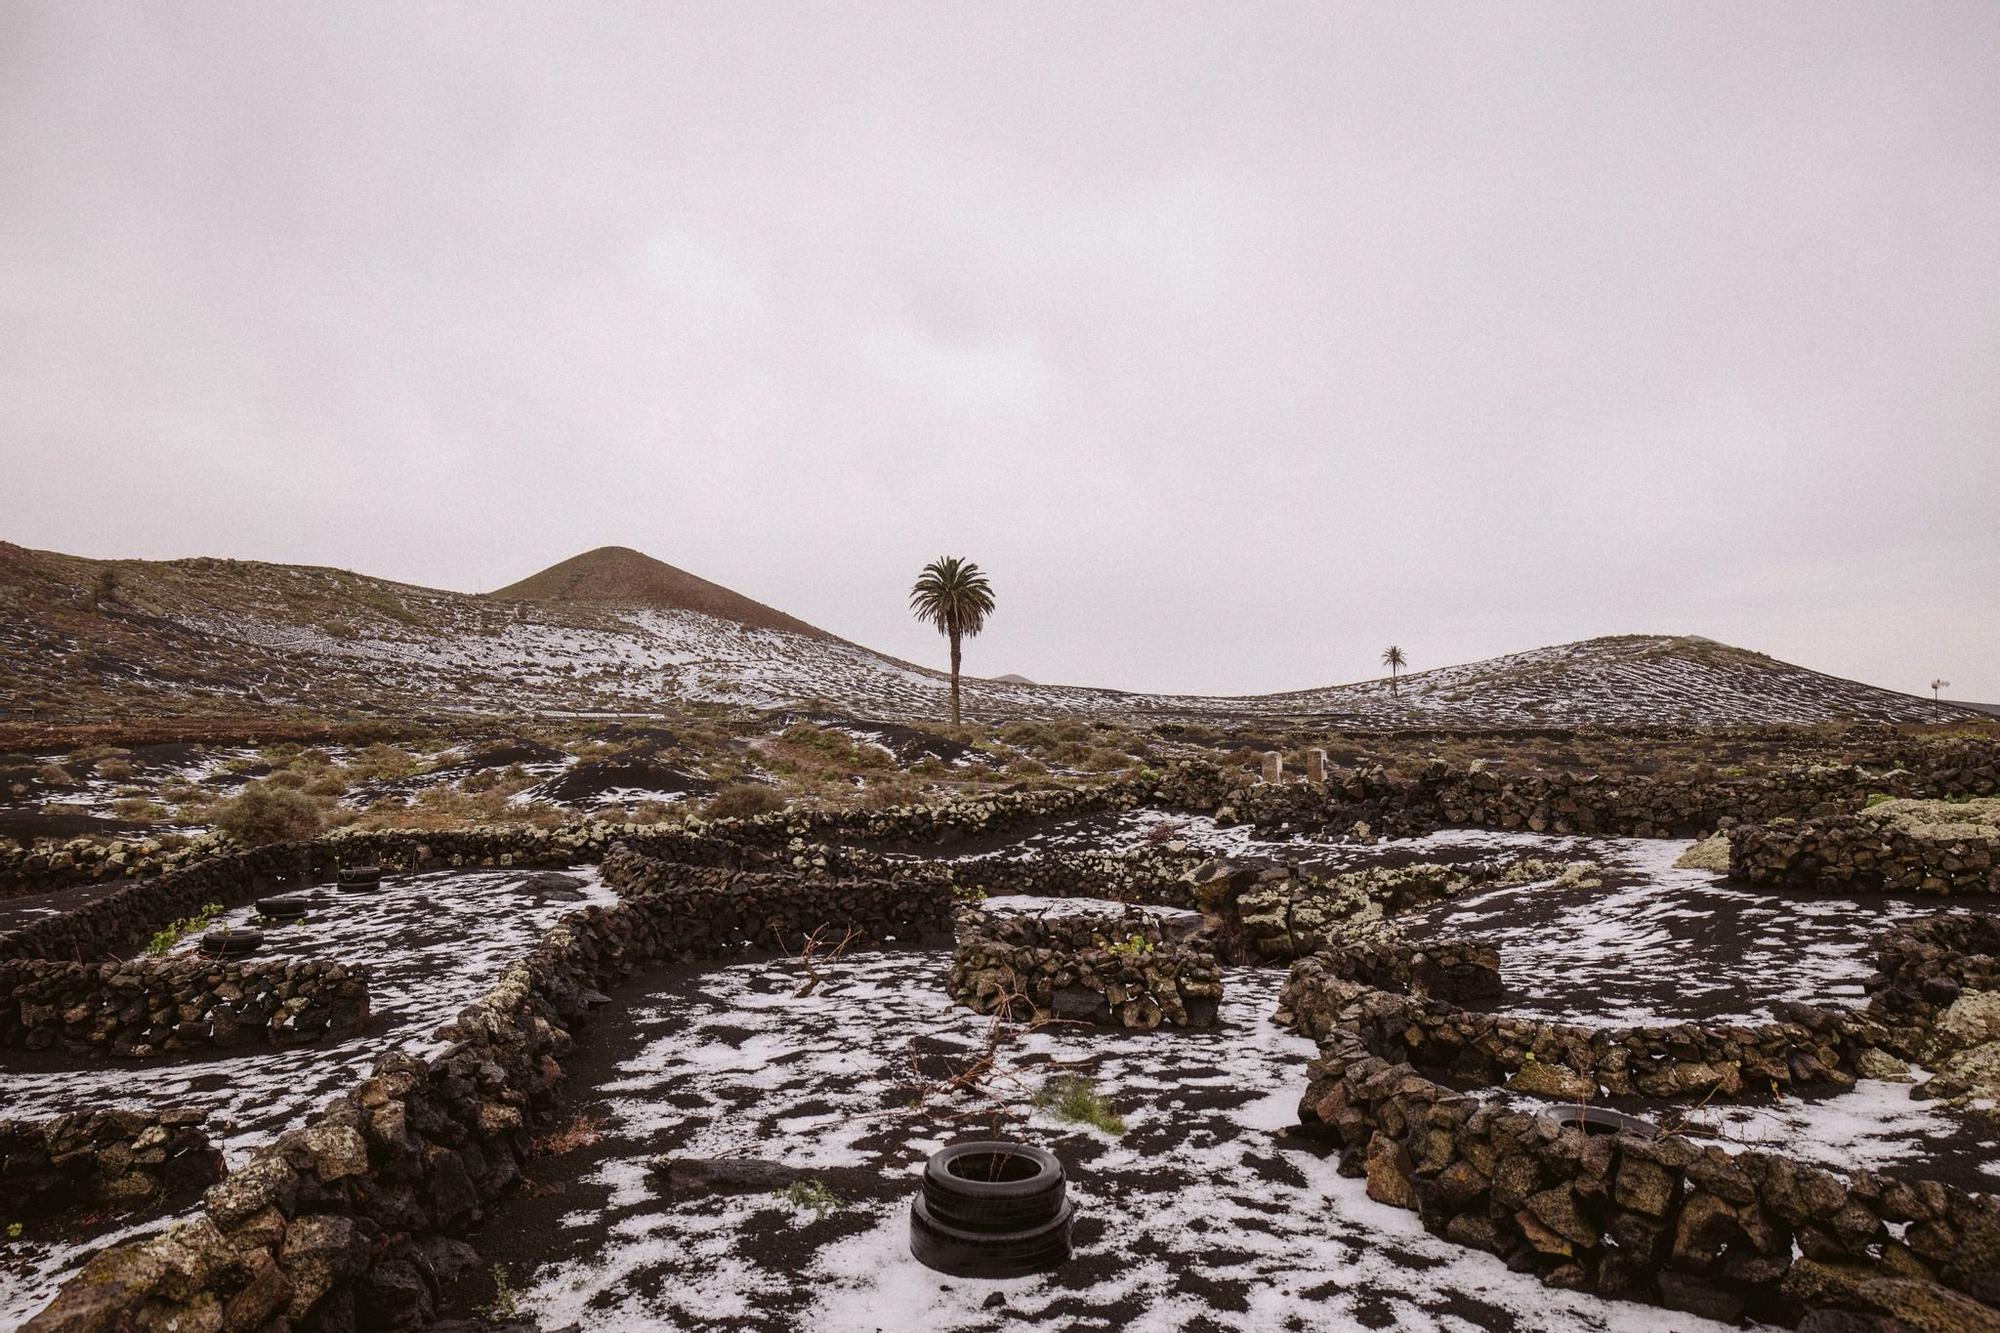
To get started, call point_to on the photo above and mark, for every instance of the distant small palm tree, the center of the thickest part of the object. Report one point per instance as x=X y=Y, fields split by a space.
x=955 y=597
x=1937 y=685
x=1392 y=657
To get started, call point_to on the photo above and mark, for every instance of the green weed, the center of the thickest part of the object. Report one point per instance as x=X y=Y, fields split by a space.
x=1074 y=1098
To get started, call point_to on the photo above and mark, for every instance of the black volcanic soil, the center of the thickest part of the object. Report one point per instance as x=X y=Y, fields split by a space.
x=590 y=781
x=1206 y=1198
x=25 y=826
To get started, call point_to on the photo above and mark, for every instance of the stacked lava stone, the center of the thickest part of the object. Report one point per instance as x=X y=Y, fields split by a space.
x=1131 y=970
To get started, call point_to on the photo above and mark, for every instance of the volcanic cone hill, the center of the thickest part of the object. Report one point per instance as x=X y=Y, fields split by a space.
x=618 y=575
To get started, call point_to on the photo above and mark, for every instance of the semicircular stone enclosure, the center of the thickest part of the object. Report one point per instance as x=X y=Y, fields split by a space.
x=1313 y=1054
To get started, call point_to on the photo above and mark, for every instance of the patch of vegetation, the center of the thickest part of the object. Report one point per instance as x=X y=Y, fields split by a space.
x=329 y=784
x=836 y=747
x=1075 y=1099
x=104 y=588
x=811 y=1195
x=1710 y=854
x=741 y=800
x=1133 y=946
x=139 y=810
x=164 y=941
x=263 y=813
x=509 y=1304
x=89 y=755
x=388 y=607
x=583 y=1130
x=382 y=762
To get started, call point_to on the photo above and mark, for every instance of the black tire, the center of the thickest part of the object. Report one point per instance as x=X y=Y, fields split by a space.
x=359 y=879
x=963 y=1253
x=232 y=942
x=283 y=908
x=1595 y=1120
x=993 y=1187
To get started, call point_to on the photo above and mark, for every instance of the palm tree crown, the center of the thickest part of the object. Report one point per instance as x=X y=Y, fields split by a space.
x=953 y=596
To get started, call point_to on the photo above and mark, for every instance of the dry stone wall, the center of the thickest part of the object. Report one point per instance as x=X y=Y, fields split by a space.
x=353 y=1221
x=1442 y=796
x=84 y=861
x=1898 y=847
x=1126 y=970
x=1930 y=962
x=116 y=924
x=714 y=911
x=156 y=1007
x=127 y=1161
x=1283 y=915
x=1662 y=805
x=1661 y=1220
x=1145 y=875
x=1460 y=971
x=1654 y=1217
x=1938 y=985
x=1817 y=1049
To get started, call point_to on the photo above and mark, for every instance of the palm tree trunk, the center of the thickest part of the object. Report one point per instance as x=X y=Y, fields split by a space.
x=954 y=678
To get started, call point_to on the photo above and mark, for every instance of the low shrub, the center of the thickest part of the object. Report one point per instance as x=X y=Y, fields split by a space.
x=1074 y=1098
x=812 y=1195
x=382 y=761
x=740 y=800
x=263 y=813
x=139 y=810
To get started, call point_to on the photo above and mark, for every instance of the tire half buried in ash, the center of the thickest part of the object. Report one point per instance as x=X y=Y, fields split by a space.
x=991 y=1209
x=1595 y=1120
x=231 y=942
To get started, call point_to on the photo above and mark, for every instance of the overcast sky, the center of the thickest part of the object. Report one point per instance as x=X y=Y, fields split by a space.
x=1236 y=342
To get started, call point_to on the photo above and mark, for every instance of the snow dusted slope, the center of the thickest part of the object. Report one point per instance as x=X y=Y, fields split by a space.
x=1630 y=678
x=191 y=635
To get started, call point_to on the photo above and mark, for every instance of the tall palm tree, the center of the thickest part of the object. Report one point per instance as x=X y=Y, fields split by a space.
x=954 y=596
x=1392 y=657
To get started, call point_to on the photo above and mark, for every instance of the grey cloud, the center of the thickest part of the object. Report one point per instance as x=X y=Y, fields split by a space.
x=1235 y=341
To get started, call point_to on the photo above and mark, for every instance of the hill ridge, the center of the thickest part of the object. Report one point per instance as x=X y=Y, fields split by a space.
x=612 y=633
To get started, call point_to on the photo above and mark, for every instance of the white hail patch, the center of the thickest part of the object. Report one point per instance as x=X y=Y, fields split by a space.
x=1205 y=1191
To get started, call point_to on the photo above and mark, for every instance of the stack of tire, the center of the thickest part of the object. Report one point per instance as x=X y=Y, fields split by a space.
x=992 y=1209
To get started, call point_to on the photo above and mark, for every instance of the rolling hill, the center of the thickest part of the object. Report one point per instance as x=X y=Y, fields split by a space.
x=613 y=631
